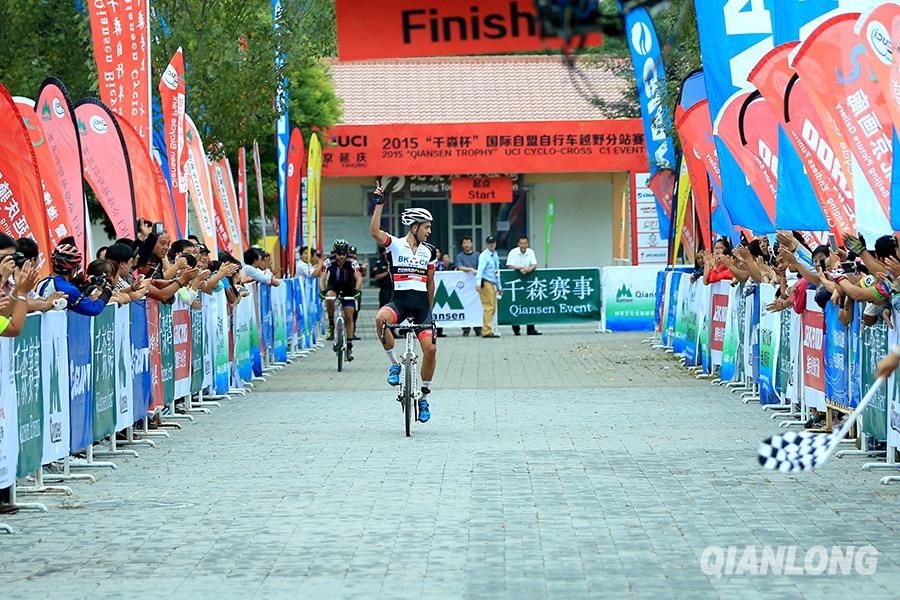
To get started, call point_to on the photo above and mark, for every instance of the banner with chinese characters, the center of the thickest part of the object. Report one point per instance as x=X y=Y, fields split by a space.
x=121 y=37
x=477 y=148
x=104 y=371
x=181 y=344
x=29 y=394
x=553 y=296
x=59 y=225
x=21 y=205
x=57 y=115
x=106 y=165
x=55 y=385
x=718 y=319
x=456 y=300
x=813 y=344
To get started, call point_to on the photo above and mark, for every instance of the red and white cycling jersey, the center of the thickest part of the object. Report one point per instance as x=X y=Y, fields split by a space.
x=409 y=269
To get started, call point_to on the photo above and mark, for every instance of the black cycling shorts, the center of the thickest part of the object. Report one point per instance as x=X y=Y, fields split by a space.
x=413 y=305
x=342 y=293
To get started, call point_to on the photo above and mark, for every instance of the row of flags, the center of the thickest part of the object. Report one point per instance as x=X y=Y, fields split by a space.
x=52 y=145
x=791 y=123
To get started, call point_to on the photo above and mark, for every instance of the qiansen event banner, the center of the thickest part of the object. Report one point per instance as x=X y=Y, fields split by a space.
x=549 y=296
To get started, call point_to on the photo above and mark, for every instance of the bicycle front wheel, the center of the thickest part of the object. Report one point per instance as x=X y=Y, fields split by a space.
x=408 y=396
x=339 y=343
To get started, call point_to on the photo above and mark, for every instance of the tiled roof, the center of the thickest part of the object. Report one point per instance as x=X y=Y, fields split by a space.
x=471 y=89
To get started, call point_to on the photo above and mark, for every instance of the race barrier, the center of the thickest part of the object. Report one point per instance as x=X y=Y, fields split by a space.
x=71 y=383
x=789 y=362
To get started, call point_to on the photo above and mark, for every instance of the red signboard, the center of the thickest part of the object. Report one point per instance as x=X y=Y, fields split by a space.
x=181 y=333
x=474 y=148
x=402 y=28
x=813 y=336
x=479 y=190
x=720 y=314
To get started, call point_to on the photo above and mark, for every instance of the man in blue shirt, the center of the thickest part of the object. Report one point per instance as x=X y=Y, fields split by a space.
x=487 y=279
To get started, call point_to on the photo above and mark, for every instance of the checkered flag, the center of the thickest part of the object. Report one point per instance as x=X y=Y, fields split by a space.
x=793 y=451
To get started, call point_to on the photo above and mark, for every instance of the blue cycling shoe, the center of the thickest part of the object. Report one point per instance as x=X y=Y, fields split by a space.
x=394 y=375
x=424 y=413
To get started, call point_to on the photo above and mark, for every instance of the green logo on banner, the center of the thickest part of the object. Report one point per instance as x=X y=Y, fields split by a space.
x=442 y=298
x=55 y=404
x=624 y=292
x=45 y=111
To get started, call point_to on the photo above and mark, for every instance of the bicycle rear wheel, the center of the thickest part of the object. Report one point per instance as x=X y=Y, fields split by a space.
x=408 y=396
x=339 y=342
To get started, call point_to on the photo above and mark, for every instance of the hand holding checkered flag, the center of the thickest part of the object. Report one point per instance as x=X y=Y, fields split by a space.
x=802 y=451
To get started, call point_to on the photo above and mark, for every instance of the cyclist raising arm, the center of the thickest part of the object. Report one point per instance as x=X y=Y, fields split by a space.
x=414 y=262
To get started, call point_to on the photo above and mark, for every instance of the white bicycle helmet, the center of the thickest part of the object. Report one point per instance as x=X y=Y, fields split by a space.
x=410 y=216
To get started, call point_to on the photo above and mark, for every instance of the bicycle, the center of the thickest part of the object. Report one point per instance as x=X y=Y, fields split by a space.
x=340 y=333
x=408 y=362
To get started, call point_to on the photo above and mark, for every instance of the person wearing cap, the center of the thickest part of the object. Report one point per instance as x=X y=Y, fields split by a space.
x=487 y=280
x=65 y=261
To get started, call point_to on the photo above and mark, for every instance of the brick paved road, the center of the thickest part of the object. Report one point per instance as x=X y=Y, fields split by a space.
x=568 y=466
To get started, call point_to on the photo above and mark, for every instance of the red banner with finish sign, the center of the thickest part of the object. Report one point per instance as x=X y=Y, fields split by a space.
x=472 y=148
x=474 y=190
x=403 y=28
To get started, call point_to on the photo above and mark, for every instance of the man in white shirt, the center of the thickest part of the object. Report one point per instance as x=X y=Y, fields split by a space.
x=523 y=260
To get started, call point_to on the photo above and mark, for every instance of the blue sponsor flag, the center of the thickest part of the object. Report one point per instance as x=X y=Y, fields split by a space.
x=854 y=356
x=282 y=131
x=660 y=287
x=267 y=324
x=796 y=204
x=790 y=16
x=81 y=377
x=651 y=83
x=836 y=358
x=669 y=325
x=733 y=37
x=140 y=358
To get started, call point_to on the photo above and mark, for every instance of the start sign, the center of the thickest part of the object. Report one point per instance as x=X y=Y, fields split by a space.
x=476 y=190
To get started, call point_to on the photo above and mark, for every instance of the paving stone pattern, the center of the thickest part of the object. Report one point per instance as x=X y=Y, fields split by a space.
x=572 y=465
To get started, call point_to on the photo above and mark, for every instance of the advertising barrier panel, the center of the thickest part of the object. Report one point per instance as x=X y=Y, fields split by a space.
x=456 y=300
x=55 y=383
x=30 y=397
x=9 y=427
x=629 y=298
x=104 y=367
x=555 y=296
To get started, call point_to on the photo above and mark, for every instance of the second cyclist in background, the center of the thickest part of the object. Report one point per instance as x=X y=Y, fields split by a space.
x=341 y=279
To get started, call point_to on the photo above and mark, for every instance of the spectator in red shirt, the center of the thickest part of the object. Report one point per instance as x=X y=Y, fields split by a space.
x=714 y=269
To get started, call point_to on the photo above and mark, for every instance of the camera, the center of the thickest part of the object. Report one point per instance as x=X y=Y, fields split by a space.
x=19 y=259
x=99 y=281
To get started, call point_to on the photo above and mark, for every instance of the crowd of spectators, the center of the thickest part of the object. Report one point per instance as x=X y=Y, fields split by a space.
x=794 y=264
x=150 y=266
